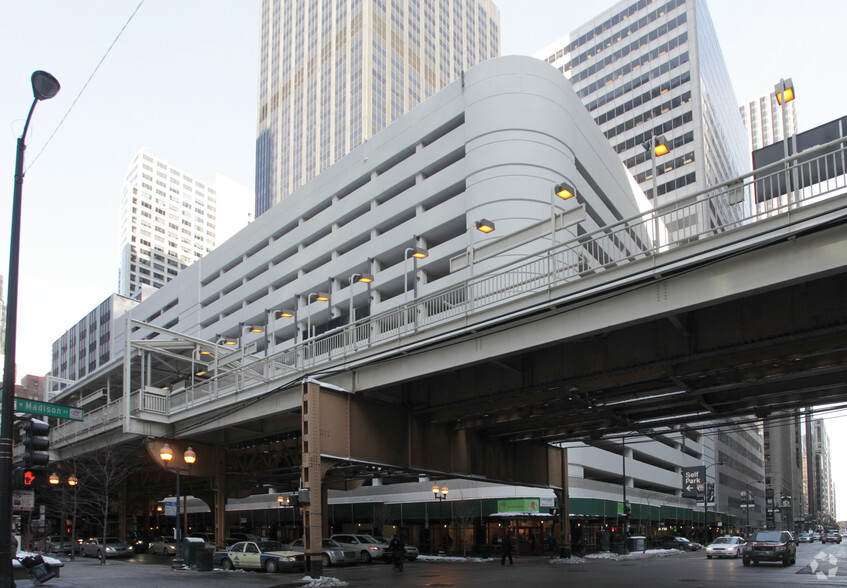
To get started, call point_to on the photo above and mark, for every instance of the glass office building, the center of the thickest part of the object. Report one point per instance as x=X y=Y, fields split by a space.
x=334 y=72
x=650 y=68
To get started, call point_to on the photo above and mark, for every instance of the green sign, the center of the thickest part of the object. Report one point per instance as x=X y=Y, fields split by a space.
x=518 y=505
x=47 y=409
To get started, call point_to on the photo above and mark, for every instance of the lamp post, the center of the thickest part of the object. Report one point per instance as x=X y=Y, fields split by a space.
x=416 y=254
x=565 y=191
x=440 y=494
x=275 y=314
x=706 y=497
x=364 y=278
x=189 y=457
x=44 y=87
x=747 y=502
x=784 y=91
x=657 y=146
x=323 y=297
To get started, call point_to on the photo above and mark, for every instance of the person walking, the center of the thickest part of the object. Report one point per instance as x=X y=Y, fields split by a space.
x=508 y=543
x=398 y=553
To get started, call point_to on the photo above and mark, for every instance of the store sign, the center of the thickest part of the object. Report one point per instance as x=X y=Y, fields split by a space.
x=518 y=505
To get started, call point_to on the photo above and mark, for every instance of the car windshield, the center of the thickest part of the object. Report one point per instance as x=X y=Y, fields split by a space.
x=769 y=537
x=724 y=540
x=331 y=543
x=683 y=539
x=113 y=540
x=271 y=546
x=367 y=539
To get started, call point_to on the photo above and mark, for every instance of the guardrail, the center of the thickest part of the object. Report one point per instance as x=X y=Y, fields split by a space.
x=813 y=174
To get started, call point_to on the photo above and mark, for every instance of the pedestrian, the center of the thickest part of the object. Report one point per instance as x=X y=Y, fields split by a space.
x=507 y=549
x=398 y=553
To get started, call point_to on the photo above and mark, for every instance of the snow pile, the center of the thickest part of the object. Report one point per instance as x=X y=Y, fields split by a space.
x=566 y=561
x=323 y=581
x=634 y=555
x=50 y=561
x=447 y=558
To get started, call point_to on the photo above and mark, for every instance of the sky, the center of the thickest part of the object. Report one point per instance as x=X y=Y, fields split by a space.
x=181 y=81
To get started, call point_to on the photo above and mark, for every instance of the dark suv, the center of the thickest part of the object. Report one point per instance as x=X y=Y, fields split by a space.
x=770 y=546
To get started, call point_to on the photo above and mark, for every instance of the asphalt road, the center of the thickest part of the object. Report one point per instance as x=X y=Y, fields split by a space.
x=817 y=565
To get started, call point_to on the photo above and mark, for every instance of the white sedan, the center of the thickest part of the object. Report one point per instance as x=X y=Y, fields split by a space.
x=725 y=547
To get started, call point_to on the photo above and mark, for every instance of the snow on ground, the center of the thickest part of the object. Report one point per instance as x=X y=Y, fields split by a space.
x=323 y=581
x=634 y=554
x=447 y=558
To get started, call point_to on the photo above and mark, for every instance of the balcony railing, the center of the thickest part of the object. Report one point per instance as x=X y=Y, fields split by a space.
x=809 y=176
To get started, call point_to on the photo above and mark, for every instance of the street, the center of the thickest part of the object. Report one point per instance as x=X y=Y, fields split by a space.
x=816 y=565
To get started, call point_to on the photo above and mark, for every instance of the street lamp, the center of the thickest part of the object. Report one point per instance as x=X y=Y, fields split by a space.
x=44 y=87
x=275 y=314
x=747 y=501
x=657 y=146
x=415 y=253
x=784 y=91
x=189 y=457
x=706 y=497
x=565 y=191
x=323 y=297
x=364 y=278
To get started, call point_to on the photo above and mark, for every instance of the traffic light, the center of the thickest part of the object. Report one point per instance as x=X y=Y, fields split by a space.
x=36 y=443
x=710 y=492
x=627 y=509
x=26 y=479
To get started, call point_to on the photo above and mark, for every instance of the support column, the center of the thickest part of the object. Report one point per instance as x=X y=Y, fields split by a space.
x=219 y=490
x=564 y=510
x=312 y=479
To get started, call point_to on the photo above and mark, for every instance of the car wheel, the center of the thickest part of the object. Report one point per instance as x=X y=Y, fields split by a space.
x=794 y=559
x=365 y=557
x=227 y=564
x=786 y=560
x=271 y=566
x=325 y=561
x=412 y=558
x=99 y=554
x=708 y=557
x=745 y=561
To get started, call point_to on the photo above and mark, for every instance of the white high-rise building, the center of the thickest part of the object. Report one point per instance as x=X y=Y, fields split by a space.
x=331 y=74
x=763 y=120
x=169 y=219
x=647 y=69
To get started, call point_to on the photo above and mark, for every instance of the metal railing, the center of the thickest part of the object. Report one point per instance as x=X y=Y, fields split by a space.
x=776 y=189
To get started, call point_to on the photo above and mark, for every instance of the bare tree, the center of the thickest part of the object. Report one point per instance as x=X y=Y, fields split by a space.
x=101 y=473
x=381 y=517
x=465 y=512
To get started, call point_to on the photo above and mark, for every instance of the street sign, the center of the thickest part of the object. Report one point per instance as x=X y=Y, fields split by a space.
x=693 y=481
x=47 y=409
x=170 y=509
x=23 y=500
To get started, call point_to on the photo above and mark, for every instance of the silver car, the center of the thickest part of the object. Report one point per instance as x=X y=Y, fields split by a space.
x=725 y=547
x=113 y=547
x=366 y=547
x=163 y=546
x=333 y=554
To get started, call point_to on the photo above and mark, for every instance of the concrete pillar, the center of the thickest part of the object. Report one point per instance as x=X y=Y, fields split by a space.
x=313 y=527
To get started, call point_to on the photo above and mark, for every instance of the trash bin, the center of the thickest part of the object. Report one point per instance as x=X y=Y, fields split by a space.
x=36 y=567
x=191 y=546
x=204 y=561
x=636 y=543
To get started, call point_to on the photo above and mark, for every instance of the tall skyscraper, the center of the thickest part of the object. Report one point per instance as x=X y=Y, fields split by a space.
x=762 y=119
x=823 y=497
x=168 y=220
x=647 y=69
x=331 y=74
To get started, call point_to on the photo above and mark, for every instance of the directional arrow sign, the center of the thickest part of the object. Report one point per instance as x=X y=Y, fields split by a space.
x=693 y=481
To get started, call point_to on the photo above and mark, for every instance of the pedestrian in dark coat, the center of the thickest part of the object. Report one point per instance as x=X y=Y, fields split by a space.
x=508 y=544
x=398 y=553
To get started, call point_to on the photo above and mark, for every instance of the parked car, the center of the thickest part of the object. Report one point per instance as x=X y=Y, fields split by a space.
x=58 y=544
x=831 y=537
x=365 y=546
x=804 y=538
x=271 y=556
x=680 y=543
x=412 y=552
x=113 y=547
x=770 y=546
x=163 y=546
x=726 y=546
x=334 y=554
x=245 y=537
x=208 y=539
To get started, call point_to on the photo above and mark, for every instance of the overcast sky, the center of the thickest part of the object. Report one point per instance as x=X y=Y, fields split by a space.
x=181 y=80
